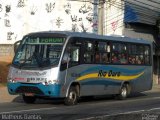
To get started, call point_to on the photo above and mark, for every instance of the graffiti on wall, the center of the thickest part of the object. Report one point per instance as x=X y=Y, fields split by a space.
x=21 y=3
x=1 y=8
x=90 y=17
x=8 y=8
x=114 y=25
x=50 y=7
x=7 y=23
x=75 y=28
x=67 y=8
x=33 y=10
x=78 y=18
x=85 y=9
x=84 y=29
x=75 y=18
x=59 y=21
x=9 y=35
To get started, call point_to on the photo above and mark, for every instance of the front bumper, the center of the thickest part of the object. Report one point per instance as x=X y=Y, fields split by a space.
x=37 y=89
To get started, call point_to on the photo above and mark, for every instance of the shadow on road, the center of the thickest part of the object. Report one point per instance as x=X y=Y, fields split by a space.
x=137 y=95
x=111 y=97
x=18 y=99
x=90 y=99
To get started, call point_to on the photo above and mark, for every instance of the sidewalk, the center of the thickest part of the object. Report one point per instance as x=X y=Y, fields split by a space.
x=6 y=97
x=156 y=87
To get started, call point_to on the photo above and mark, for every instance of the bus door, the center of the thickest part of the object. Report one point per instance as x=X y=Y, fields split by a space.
x=71 y=61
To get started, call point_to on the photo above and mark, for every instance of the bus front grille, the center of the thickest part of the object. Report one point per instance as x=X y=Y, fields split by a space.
x=29 y=89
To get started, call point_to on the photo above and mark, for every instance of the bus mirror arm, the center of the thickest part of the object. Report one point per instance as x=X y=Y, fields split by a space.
x=16 y=44
x=64 y=65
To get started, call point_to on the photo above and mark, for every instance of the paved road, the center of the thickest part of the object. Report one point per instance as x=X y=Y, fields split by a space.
x=142 y=106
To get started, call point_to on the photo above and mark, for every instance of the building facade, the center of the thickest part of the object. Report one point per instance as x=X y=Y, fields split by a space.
x=19 y=17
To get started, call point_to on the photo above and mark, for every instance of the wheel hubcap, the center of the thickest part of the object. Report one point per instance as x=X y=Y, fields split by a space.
x=72 y=96
x=124 y=92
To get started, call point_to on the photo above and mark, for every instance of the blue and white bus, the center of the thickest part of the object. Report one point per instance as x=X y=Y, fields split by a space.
x=70 y=65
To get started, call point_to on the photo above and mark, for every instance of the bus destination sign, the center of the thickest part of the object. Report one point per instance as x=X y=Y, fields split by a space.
x=45 y=40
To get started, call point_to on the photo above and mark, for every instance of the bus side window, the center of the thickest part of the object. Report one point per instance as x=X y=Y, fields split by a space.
x=119 y=53
x=138 y=54
x=147 y=55
x=105 y=57
x=97 y=57
x=71 y=55
x=75 y=48
x=108 y=47
x=123 y=59
x=115 y=58
x=74 y=54
x=88 y=52
x=102 y=52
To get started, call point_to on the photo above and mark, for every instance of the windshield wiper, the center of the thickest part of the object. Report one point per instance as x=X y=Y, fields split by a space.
x=39 y=60
x=29 y=59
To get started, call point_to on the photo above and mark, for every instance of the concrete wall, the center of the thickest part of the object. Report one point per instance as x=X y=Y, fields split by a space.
x=114 y=14
x=6 y=50
x=135 y=33
x=19 y=17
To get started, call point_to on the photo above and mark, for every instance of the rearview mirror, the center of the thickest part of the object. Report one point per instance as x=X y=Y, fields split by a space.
x=16 y=44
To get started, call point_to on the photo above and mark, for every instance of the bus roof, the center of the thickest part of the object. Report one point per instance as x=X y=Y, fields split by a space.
x=91 y=35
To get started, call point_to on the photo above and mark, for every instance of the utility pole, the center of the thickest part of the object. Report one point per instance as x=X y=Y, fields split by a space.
x=101 y=17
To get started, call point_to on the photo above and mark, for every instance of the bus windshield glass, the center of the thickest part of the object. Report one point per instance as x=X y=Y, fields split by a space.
x=39 y=52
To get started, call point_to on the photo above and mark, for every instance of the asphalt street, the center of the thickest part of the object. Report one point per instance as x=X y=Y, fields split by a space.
x=140 y=106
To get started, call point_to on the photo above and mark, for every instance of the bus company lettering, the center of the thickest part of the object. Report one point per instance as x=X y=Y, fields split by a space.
x=52 y=40
x=109 y=73
x=31 y=73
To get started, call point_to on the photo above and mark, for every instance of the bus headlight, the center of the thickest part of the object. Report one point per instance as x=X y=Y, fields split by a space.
x=11 y=80
x=50 y=82
x=55 y=81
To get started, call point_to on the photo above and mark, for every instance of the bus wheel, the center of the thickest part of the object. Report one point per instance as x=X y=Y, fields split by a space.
x=124 y=91
x=29 y=99
x=72 y=97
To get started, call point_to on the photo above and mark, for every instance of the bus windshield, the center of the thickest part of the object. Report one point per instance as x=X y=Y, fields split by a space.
x=39 y=52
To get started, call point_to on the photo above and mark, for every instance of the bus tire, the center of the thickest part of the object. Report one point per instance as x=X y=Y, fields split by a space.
x=29 y=99
x=72 y=97
x=124 y=91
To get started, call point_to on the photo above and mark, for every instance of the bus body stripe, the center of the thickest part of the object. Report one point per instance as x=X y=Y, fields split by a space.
x=122 y=77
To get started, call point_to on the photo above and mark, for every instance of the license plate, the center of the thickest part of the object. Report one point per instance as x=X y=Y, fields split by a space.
x=29 y=94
